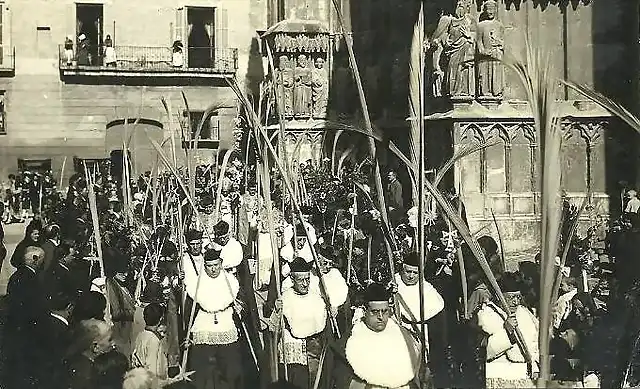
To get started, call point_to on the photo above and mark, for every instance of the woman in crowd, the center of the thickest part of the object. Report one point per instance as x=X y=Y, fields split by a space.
x=32 y=237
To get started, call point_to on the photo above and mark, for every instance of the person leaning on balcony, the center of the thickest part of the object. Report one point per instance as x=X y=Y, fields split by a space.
x=84 y=56
x=109 y=52
x=68 y=51
x=178 y=57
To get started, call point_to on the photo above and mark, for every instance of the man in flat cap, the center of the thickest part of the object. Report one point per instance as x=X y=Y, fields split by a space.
x=214 y=335
x=305 y=318
x=378 y=353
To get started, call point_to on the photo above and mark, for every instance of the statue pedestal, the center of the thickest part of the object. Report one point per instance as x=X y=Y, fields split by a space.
x=303 y=139
x=504 y=179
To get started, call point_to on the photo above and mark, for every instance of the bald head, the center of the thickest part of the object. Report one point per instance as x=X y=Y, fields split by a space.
x=33 y=257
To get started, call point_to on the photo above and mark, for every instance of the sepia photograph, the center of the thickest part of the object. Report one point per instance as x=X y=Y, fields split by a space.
x=319 y=194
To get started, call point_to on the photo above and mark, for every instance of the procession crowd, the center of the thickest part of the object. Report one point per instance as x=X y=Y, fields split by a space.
x=233 y=294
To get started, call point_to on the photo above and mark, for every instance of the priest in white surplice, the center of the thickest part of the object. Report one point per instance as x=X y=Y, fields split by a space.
x=409 y=295
x=305 y=318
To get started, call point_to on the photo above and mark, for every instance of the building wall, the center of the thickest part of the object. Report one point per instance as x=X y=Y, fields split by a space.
x=47 y=117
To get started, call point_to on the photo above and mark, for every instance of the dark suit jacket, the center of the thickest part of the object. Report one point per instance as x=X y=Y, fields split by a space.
x=49 y=257
x=27 y=301
x=62 y=279
x=394 y=196
x=58 y=340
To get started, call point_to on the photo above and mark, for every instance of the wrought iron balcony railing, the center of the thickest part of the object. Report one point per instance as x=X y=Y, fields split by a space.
x=149 y=59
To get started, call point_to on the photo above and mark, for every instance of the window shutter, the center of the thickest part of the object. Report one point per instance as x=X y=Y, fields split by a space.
x=223 y=58
x=179 y=33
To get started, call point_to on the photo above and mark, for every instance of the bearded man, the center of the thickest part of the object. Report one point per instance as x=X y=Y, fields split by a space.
x=305 y=318
x=378 y=353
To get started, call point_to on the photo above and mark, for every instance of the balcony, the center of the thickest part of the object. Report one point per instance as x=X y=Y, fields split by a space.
x=7 y=62
x=155 y=62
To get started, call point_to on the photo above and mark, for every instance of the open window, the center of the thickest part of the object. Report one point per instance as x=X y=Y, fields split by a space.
x=211 y=128
x=89 y=24
x=201 y=37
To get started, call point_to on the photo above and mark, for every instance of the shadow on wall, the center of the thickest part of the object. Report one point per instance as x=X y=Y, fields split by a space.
x=615 y=65
x=255 y=71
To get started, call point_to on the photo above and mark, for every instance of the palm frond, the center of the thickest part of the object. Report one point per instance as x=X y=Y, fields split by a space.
x=464 y=232
x=343 y=157
x=416 y=83
x=223 y=169
x=461 y=153
x=608 y=104
x=334 y=148
x=538 y=79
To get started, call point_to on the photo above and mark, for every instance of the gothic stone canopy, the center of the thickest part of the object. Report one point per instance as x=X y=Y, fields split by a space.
x=298 y=36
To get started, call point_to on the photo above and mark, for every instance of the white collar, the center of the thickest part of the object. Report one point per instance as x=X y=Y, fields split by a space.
x=61 y=318
x=30 y=268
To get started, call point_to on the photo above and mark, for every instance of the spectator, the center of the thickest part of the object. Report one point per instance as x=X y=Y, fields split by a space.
x=91 y=338
x=27 y=315
x=633 y=204
x=31 y=239
x=149 y=350
x=393 y=196
x=49 y=245
x=109 y=52
x=68 y=51
x=178 y=56
x=90 y=305
x=110 y=369
x=58 y=332
x=140 y=378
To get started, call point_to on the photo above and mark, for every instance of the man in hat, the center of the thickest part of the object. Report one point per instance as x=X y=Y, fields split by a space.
x=214 y=334
x=305 y=318
x=84 y=54
x=378 y=352
x=230 y=249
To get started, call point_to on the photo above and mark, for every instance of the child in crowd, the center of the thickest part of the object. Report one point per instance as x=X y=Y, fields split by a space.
x=150 y=350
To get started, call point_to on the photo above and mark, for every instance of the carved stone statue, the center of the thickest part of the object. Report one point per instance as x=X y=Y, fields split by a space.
x=455 y=37
x=302 y=88
x=284 y=79
x=490 y=44
x=320 y=89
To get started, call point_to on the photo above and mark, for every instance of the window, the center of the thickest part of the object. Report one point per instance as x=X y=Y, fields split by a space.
x=44 y=42
x=3 y=122
x=211 y=129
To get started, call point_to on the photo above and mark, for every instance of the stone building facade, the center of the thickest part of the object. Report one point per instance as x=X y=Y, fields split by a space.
x=56 y=104
x=590 y=42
